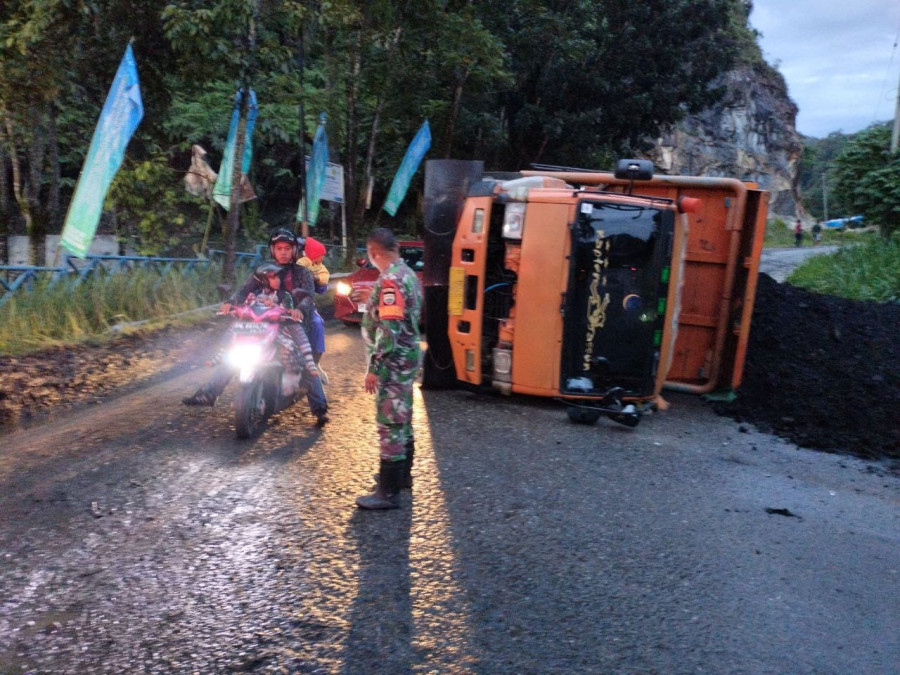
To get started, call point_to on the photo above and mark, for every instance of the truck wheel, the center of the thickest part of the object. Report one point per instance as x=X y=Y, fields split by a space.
x=582 y=415
x=249 y=409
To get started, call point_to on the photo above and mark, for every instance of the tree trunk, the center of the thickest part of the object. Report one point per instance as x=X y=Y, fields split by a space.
x=351 y=157
x=454 y=112
x=373 y=135
x=53 y=210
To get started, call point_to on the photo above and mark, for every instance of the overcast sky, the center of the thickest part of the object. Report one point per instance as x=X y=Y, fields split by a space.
x=838 y=56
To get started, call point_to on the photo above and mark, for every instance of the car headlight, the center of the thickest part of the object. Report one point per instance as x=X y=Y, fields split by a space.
x=241 y=356
x=343 y=288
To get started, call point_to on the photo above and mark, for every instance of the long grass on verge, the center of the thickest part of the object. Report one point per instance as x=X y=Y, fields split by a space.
x=780 y=234
x=868 y=271
x=63 y=313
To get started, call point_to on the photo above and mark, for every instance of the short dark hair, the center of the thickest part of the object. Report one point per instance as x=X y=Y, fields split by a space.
x=384 y=238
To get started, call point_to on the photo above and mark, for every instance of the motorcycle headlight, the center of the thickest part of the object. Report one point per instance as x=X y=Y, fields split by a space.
x=241 y=356
x=343 y=288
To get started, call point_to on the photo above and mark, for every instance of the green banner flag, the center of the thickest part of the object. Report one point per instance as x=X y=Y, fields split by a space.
x=414 y=154
x=222 y=188
x=119 y=118
x=315 y=175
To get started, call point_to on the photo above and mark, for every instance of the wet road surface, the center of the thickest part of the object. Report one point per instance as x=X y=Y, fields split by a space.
x=139 y=535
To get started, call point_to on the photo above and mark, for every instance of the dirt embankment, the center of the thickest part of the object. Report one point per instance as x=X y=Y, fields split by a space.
x=822 y=372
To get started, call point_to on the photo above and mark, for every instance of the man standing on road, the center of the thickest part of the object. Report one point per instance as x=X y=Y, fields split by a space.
x=798 y=233
x=390 y=328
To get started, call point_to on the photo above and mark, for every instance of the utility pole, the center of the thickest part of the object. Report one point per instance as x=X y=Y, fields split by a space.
x=895 y=136
x=825 y=193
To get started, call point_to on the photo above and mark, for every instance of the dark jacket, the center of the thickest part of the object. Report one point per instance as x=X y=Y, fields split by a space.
x=295 y=279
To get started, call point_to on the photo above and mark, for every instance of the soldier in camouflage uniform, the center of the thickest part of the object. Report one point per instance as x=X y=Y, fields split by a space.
x=390 y=329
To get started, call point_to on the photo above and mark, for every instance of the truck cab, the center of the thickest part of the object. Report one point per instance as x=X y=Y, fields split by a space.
x=594 y=288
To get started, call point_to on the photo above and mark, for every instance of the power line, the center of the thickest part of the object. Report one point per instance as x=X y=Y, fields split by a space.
x=887 y=74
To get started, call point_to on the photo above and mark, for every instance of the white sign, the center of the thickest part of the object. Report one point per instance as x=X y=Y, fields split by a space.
x=333 y=187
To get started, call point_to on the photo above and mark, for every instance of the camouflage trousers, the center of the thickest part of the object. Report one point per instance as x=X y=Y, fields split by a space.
x=393 y=413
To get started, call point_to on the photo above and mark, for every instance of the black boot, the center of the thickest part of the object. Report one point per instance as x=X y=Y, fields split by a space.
x=406 y=477
x=386 y=494
x=406 y=480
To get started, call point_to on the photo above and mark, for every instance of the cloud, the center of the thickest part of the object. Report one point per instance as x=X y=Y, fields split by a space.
x=839 y=58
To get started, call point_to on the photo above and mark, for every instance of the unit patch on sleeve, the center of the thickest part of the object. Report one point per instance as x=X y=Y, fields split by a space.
x=391 y=303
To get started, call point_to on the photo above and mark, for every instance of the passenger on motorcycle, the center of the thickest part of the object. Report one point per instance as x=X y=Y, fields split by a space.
x=298 y=282
x=313 y=257
x=271 y=295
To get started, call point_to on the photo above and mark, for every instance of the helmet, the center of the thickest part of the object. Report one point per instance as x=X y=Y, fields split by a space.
x=262 y=272
x=280 y=234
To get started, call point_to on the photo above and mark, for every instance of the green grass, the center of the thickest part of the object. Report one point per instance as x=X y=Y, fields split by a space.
x=65 y=313
x=780 y=234
x=868 y=271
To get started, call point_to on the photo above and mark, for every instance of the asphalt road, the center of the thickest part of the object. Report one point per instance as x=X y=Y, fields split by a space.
x=139 y=535
x=778 y=263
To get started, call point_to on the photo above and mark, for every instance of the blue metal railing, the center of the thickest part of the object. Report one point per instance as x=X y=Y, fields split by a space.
x=74 y=271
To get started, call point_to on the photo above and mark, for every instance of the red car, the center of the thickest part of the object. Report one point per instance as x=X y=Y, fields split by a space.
x=352 y=292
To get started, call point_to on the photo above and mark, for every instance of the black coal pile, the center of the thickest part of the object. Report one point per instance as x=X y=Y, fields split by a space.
x=822 y=372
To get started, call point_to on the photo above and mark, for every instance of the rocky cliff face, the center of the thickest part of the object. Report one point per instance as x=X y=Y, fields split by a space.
x=750 y=134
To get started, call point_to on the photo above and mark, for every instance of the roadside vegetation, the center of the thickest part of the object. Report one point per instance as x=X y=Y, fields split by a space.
x=780 y=234
x=105 y=305
x=869 y=271
x=867 y=266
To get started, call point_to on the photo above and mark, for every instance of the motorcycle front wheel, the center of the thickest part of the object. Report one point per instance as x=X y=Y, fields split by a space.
x=250 y=409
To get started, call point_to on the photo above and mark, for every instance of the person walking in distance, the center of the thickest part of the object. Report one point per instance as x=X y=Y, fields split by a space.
x=817 y=233
x=390 y=329
x=798 y=233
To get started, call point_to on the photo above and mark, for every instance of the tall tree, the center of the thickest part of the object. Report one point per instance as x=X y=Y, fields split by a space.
x=868 y=178
x=594 y=74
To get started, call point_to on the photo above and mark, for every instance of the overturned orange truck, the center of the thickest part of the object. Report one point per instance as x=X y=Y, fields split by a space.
x=595 y=288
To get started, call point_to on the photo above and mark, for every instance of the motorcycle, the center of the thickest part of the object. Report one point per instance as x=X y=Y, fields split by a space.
x=266 y=386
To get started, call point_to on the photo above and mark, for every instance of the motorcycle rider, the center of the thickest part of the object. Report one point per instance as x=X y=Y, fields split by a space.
x=298 y=281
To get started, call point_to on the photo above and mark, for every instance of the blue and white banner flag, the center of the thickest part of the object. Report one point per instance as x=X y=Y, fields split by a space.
x=222 y=188
x=120 y=116
x=414 y=154
x=315 y=176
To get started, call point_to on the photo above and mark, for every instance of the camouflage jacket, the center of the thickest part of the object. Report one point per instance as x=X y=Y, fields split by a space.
x=390 y=326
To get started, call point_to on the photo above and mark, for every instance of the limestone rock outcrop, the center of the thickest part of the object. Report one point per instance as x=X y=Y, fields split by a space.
x=750 y=134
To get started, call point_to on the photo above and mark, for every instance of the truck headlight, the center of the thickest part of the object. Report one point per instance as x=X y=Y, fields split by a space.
x=513 y=220
x=343 y=288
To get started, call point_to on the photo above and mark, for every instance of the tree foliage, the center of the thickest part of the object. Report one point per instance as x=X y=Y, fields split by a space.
x=575 y=82
x=868 y=178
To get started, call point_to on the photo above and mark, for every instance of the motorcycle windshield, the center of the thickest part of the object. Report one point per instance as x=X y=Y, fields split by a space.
x=615 y=301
